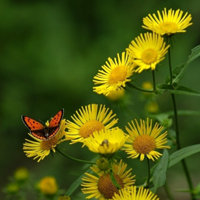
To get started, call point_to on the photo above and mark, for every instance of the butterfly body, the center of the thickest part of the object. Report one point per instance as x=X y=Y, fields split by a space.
x=44 y=132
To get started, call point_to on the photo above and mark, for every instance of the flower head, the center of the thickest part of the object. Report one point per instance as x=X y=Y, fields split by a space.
x=147 y=51
x=131 y=193
x=21 y=174
x=89 y=119
x=12 y=188
x=48 y=185
x=39 y=149
x=101 y=186
x=168 y=23
x=114 y=76
x=144 y=140
x=116 y=95
x=106 y=141
x=64 y=198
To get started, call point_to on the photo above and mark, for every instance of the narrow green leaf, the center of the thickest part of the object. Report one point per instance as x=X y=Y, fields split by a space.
x=183 y=112
x=76 y=184
x=179 y=90
x=159 y=174
x=183 y=153
x=175 y=73
x=179 y=71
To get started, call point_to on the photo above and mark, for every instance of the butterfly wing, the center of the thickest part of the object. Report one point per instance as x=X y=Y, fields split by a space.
x=41 y=131
x=36 y=128
x=54 y=124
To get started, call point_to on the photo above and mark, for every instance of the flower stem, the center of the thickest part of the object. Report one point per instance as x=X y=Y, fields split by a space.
x=72 y=158
x=185 y=168
x=149 y=172
x=154 y=80
x=139 y=88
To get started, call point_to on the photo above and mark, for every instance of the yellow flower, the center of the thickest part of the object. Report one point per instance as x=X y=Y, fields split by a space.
x=168 y=23
x=89 y=119
x=147 y=51
x=147 y=85
x=106 y=141
x=101 y=186
x=12 y=188
x=144 y=140
x=48 y=185
x=114 y=76
x=21 y=174
x=152 y=107
x=64 y=198
x=131 y=193
x=116 y=94
x=39 y=149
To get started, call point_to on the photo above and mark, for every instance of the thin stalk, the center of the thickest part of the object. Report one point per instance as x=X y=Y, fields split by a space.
x=148 y=172
x=72 y=158
x=154 y=80
x=139 y=88
x=185 y=168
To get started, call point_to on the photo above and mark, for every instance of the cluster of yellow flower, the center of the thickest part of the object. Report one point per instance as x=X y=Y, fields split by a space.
x=22 y=185
x=145 y=52
x=95 y=125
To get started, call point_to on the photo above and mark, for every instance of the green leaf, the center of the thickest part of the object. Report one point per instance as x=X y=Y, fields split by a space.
x=76 y=184
x=183 y=112
x=163 y=119
x=179 y=71
x=183 y=153
x=179 y=90
x=159 y=174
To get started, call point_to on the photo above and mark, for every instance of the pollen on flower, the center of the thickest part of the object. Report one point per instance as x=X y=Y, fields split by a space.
x=149 y=56
x=168 y=27
x=49 y=144
x=107 y=188
x=118 y=74
x=144 y=144
x=88 y=128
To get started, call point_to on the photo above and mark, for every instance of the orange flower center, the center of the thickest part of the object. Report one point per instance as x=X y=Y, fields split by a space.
x=144 y=144
x=149 y=56
x=88 y=128
x=168 y=27
x=118 y=74
x=49 y=144
x=106 y=186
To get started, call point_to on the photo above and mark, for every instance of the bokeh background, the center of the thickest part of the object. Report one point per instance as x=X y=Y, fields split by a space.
x=49 y=53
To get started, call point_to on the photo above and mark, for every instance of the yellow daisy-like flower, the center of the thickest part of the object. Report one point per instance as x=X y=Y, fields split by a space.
x=168 y=23
x=89 y=119
x=101 y=186
x=116 y=95
x=144 y=140
x=106 y=141
x=114 y=76
x=21 y=174
x=39 y=149
x=147 y=51
x=48 y=185
x=132 y=193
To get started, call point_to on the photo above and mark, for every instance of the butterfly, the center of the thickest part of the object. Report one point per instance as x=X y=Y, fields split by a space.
x=41 y=131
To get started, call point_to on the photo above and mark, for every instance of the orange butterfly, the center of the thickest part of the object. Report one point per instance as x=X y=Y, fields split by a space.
x=41 y=131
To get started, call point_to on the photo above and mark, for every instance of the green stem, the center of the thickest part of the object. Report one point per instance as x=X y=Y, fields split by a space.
x=170 y=66
x=154 y=80
x=148 y=172
x=185 y=168
x=139 y=88
x=72 y=158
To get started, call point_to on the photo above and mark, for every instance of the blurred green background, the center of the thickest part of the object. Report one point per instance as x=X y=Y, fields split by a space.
x=49 y=53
